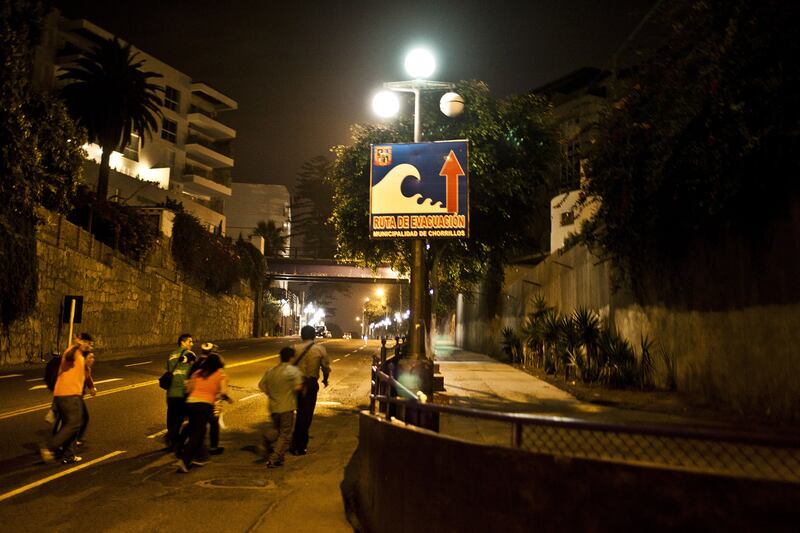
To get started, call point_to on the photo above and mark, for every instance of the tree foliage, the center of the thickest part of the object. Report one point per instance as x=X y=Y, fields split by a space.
x=512 y=145
x=274 y=238
x=111 y=96
x=706 y=141
x=210 y=262
x=313 y=208
x=40 y=156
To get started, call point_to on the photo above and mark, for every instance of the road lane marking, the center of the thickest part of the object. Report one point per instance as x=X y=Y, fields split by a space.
x=137 y=364
x=329 y=403
x=107 y=380
x=11 y=376
x=43 y=406
x=61 y=474
x=251 y=361
x=337 y=359
x=250 y=397
x=154 y=435
x=36 y=387
x=35 y=379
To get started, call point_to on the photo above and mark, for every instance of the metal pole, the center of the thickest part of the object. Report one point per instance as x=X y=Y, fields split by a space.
x=71 y=321
x=415 y=350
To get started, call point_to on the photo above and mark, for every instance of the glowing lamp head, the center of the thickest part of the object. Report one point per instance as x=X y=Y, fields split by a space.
x=420 y=63
x=451 y=104
x=385 y=104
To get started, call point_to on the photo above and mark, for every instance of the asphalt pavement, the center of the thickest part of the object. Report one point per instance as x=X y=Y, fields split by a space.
x=126 y=482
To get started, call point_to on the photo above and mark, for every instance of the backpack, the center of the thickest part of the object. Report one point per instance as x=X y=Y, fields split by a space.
x=51 y=371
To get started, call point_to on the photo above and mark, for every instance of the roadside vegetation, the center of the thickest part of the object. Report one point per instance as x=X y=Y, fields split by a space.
x=580 y=346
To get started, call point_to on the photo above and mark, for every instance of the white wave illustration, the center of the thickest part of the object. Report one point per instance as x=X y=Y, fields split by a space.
x=387 y=198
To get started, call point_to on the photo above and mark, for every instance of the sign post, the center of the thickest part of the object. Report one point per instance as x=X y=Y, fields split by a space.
x=419 y=191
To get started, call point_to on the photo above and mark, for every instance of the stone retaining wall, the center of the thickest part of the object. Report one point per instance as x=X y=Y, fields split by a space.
x=125 y=305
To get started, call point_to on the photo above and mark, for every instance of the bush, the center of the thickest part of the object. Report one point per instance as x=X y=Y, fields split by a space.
x=210 y=262
x=118 y=226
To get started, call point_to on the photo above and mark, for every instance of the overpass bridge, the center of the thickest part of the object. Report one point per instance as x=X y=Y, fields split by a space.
x=329 y=271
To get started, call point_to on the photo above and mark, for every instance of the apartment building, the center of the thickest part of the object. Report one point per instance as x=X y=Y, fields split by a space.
x=579 y=100
x=250 y=203
x=189 y=159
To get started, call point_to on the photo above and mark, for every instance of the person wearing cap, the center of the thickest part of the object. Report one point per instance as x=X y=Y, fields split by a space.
x=310 y=358
x=68 y=399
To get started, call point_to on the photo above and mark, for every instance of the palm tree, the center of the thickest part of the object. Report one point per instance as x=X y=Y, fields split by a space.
x=274 y=239
x=588 y=326
x=111 y=96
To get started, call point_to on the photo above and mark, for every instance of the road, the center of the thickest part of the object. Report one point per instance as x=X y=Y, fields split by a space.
x=127 y=483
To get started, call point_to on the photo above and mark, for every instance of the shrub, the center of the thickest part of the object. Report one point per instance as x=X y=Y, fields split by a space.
x=118 y=226
x=512 y=346
x=208 y=261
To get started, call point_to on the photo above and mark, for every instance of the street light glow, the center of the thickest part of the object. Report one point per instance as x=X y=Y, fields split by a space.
x=385 y=104
x=420 y=63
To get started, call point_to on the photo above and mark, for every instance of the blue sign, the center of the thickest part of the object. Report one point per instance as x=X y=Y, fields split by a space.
x=419 y=190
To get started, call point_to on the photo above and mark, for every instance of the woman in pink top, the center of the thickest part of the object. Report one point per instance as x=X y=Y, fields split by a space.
x=205 y=384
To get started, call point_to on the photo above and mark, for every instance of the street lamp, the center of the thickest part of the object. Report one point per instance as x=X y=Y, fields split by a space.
x=420 y=64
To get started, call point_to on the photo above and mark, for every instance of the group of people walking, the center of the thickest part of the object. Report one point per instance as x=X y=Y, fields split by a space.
x=196 y=390
x=293 y=385
x=195 y=387
x=199 y=385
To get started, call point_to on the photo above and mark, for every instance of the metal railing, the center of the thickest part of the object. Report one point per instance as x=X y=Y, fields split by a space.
x=720 y=451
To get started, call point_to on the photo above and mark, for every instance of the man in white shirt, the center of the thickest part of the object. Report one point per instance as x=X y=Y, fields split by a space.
x=281 y=384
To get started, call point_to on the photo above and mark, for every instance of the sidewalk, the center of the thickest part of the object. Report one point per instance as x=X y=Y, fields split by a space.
x=477 y=381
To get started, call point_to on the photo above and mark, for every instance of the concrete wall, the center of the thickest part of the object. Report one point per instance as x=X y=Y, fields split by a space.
x=415 y=480
x=744 y=357
x=125 y=305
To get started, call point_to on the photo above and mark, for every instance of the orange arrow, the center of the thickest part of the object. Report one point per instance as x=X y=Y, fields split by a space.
x=452 y=170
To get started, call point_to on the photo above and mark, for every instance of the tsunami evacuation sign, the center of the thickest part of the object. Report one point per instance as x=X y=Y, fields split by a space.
x=419 y=190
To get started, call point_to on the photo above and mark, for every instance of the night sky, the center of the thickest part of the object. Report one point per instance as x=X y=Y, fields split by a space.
x=303 y=72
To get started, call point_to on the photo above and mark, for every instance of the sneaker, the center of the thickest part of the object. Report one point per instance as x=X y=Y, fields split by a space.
x=78 y=443
x=198 y=462
x=47 y=455
x=181 y=467
x=73 y=459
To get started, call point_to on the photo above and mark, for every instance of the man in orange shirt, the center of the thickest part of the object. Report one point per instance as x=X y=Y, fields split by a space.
x=68 y=399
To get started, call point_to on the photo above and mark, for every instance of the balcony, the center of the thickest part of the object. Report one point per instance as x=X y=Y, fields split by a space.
x=213 y=154
x=200 y=181
x=204 y=122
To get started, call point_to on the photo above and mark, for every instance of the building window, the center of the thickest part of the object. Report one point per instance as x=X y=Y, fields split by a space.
x=169 y=130
x=568 y=218
x=131 y=150
x=172 y=98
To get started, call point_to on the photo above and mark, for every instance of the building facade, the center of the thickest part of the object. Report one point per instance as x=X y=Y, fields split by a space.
x=188 y=159
x=251 y=203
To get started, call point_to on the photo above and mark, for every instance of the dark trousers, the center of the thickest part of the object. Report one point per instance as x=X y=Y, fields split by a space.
x=70 y=410
x=176 y=412
x=306 y=401
x=199 y=415
x=213 y=431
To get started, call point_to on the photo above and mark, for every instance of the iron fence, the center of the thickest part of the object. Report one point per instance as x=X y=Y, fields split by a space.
x=721 y=451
